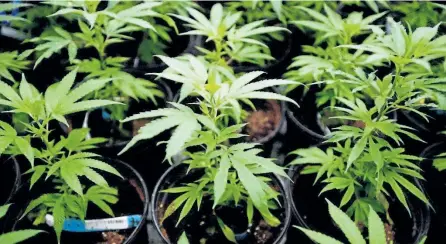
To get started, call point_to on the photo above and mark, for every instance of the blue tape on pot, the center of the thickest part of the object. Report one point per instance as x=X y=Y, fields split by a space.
x=96 y=225
x=14 y=12
x=106 y=115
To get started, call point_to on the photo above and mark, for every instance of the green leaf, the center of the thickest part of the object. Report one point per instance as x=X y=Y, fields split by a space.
x=174 y=205
x=59 y=217
x=229 y=234
x=319 y=237
x=183 y=239
x=357 y=150
x=347 y=195
x=255 y=192
x=25 y=148
x=17 y=236
x=38 y=172
x=71 y=179
x=398 y=192
x=221 y=178
x=377 y=234
x=4 y=209
x=347 y=226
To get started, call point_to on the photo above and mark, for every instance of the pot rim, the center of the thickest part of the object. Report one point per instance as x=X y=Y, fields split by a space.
x=286 y=202
x=315 y=135
x=17 y=181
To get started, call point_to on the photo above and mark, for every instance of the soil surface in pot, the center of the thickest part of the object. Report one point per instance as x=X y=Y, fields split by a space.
x=263 y=122
x=201 y=226
x=131 y=201
x=313 y=210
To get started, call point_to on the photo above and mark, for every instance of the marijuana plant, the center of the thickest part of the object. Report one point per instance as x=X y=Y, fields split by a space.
x=411 y=53
x=322 y=64
x=376 y=229
x=231 y=41
x=15 y=236
x=61 y=161
x=364 y=161
x=230 y=173
x=100 y=29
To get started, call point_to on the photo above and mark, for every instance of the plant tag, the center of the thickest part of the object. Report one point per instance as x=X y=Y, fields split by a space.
x=93 y=225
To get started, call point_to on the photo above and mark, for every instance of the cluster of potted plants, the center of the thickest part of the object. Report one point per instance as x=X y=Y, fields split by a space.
x=233 y=122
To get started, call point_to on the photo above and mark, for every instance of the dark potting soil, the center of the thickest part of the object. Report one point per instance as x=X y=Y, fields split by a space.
x=313 y=211
x=264 y=122
x=131 y=201
x=202 y=225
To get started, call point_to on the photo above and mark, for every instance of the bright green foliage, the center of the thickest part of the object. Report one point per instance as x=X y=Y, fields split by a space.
x=193 y=75
x=377 y=234
x=15 y=236
x=321 y=65
x=230 y=173
x=420 y=13
x=60 y=161
x=11 y=61
x=57 y=101
x=232 y=42
x=403 y=47
x=364 y=162
x=342 y=30
x=99 y=30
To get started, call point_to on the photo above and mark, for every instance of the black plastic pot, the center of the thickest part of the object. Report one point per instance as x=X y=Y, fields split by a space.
x=10 y=179
x=176 y=174
x=311 y=211
x=435 y=188
x=282 y=51
x=435 y=124
x=307 y=116
x=133 y=199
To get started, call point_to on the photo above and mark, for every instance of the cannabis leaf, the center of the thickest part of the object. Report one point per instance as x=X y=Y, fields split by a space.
x=332 y=25
x=81 y=164
x=15 y=236
x=182 y=117
x=402 y=47
x=377 y=233
x=11 y=61
x=49 y=45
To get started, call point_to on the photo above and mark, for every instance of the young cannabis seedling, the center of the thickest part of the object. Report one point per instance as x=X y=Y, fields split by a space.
x=364 y=162
x=230 y=173
x=100 y=29
x=61 y=161
x=231 y=42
